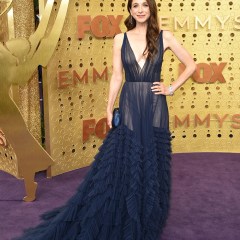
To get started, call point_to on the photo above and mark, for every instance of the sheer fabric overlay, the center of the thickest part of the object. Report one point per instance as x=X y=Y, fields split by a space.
x=125 y=195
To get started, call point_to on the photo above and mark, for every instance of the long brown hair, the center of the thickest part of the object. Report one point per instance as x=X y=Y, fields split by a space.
x=152 y=29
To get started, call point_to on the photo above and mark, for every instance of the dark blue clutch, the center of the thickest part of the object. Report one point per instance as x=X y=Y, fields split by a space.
x=116 y=120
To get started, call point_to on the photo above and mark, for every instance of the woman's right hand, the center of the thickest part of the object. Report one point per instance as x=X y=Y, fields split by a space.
x=109 y=118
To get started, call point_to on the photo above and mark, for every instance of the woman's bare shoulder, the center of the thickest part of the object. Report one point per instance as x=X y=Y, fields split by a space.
x=118 y=39
x=167 y=35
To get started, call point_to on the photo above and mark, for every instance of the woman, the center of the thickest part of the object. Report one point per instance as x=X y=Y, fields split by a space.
x=126 y=192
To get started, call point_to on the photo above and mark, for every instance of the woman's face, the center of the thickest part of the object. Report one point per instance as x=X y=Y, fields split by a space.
x=140 y=10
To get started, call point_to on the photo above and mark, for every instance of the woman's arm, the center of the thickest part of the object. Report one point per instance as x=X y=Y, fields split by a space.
x=169 y=41
x=117 y=76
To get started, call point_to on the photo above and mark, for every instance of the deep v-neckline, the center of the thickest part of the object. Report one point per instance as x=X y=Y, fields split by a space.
x=134 y=56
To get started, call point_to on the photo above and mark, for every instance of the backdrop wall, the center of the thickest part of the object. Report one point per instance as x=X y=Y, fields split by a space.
x=204 y=113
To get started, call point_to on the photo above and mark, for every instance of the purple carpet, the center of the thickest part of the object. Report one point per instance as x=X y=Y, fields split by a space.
x=205 y=200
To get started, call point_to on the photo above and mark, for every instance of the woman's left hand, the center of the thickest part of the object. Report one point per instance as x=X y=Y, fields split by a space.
x=160 y=88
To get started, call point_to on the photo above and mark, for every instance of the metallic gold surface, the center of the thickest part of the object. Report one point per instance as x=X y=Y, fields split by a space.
x=19 y=59
x=77 y=97
x=8 y=161
x=82 y=99
x=41 y=6
x=28 y=94
x=3 y=23
x=213 y=99
x=11 y=30
x=5 y=5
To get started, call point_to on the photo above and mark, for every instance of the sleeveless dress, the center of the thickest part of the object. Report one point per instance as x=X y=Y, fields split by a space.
x=125 y=195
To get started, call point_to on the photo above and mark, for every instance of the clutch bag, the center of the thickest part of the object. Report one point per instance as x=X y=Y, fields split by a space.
x=116 y=120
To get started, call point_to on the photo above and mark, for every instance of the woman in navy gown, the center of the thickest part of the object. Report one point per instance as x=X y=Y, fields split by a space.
x=126 y=193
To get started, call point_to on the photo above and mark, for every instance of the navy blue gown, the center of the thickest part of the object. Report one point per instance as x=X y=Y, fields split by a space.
x=125 y=195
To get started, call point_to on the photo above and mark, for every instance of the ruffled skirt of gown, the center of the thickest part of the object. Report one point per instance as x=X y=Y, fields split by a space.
x=125 y=195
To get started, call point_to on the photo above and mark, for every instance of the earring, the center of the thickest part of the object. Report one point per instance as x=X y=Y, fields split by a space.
x=131 y=20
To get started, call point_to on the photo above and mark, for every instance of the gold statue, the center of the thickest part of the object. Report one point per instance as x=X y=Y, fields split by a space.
x=19 y=58
x=7 y=4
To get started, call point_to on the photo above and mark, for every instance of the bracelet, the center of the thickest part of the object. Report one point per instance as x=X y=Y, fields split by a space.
x=170 y=89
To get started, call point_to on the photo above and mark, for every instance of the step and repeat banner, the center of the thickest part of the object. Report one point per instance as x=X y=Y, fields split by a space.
x=204 y=112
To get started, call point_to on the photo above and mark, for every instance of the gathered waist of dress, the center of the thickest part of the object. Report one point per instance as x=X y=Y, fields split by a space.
x=134 y=82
